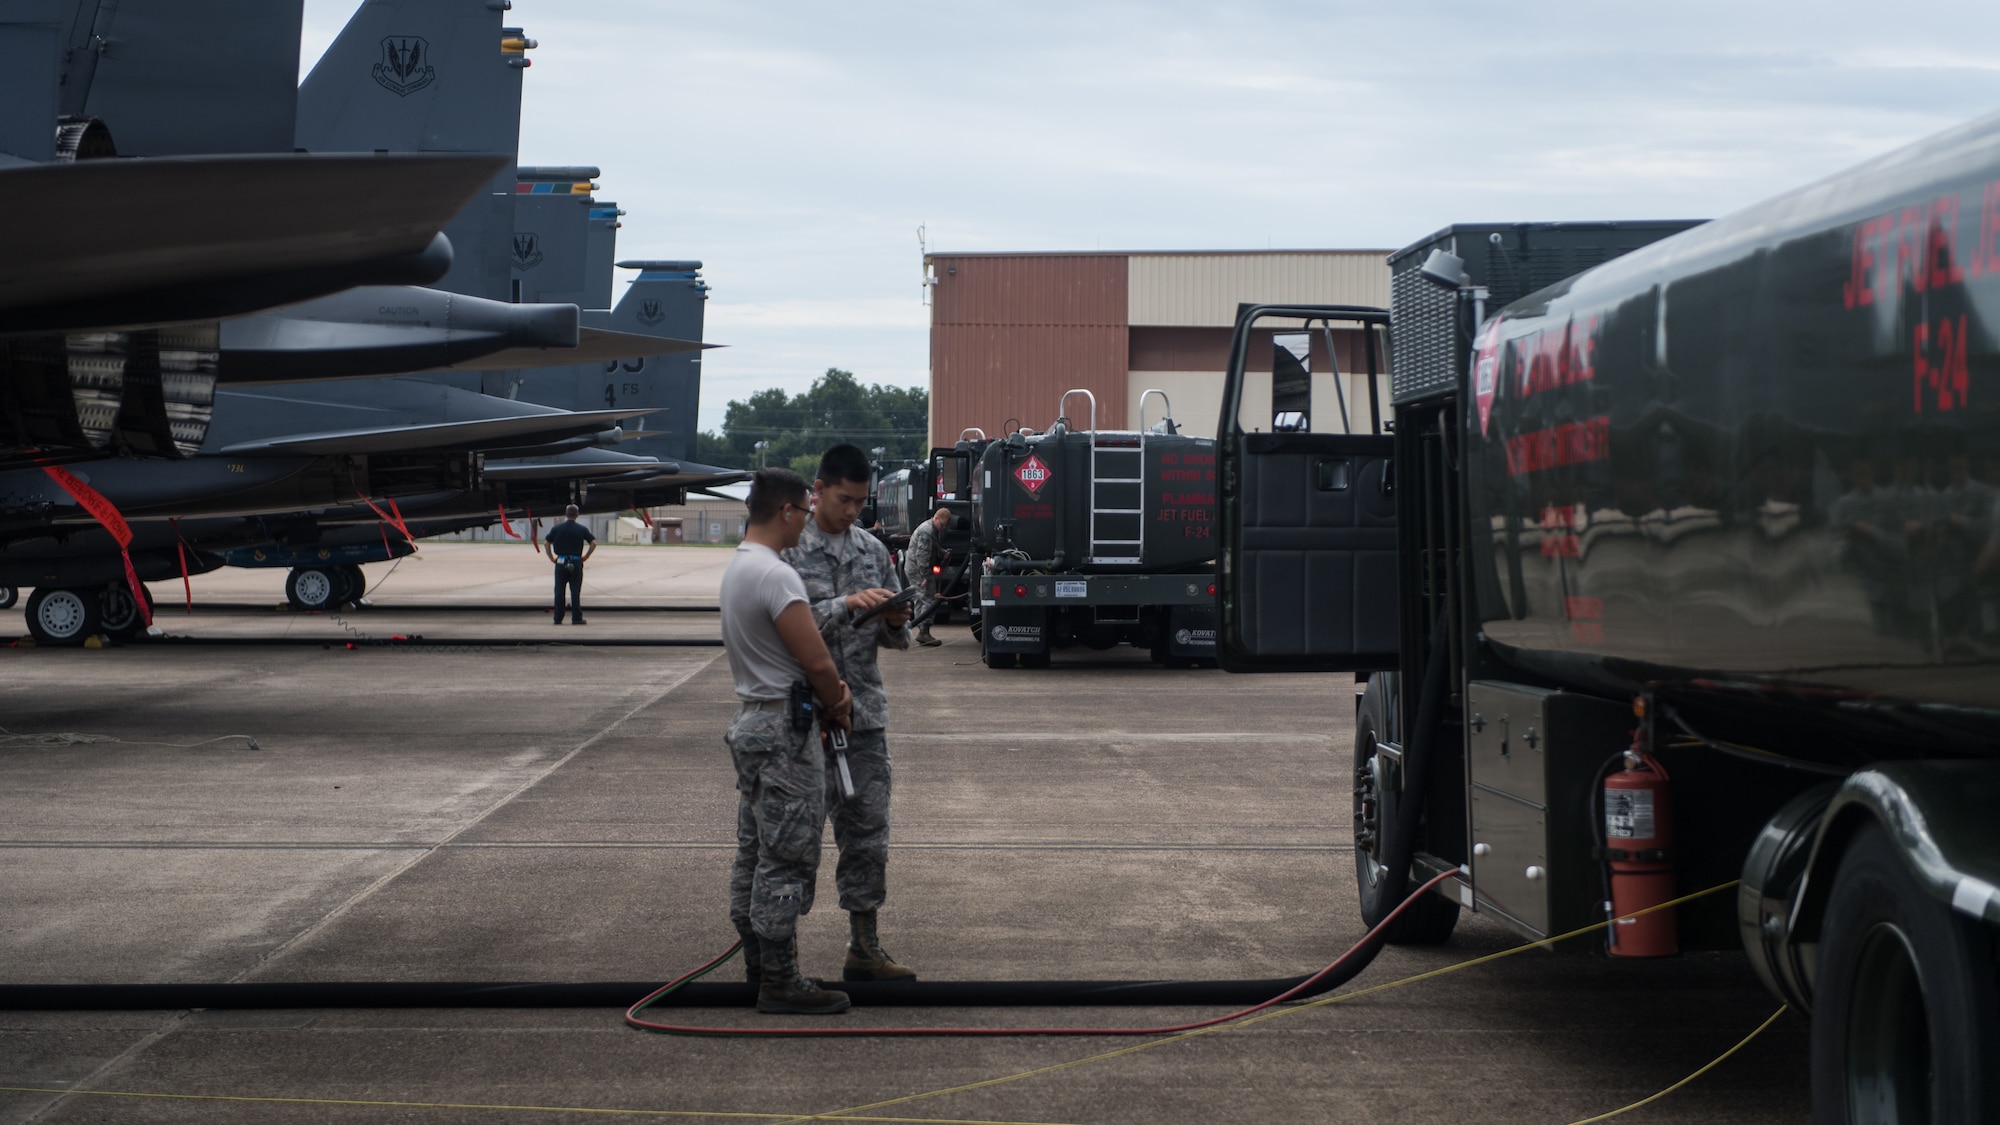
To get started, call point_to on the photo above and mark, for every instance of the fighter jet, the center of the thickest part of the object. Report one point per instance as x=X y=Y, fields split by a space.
x=289 y=501
x=108 y=315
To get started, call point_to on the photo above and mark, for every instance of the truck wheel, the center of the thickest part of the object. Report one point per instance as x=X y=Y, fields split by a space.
x=8 y=596
x=1905 y=1006
x=62 y=618
x=120 y=614
x=313 y=587
x=1432 y=918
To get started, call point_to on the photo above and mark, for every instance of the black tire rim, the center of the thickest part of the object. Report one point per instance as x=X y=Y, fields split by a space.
x=1367 y=811
x=1889 y=1058
x=120 y=611
x=62 y=614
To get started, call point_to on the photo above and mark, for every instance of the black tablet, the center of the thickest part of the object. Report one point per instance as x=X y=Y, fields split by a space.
x=863 y=617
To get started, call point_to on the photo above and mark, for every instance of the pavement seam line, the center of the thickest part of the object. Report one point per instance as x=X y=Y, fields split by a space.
x=341 y=911
x=104 y=1070
x=606 y=1112
x=337 y=912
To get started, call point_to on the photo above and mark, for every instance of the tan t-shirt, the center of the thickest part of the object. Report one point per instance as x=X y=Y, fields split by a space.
x=755 y=589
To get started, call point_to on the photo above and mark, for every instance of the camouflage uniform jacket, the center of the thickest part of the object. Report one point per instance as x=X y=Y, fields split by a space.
x=834 y=567
x=921 y=553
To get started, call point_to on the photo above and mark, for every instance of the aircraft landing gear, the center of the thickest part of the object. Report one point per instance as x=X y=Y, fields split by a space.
x=119 y=614
x=62 y=618
x=8 y=596
x=357 y=584
x=316 y=587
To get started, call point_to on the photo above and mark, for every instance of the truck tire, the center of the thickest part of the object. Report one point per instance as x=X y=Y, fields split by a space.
x=62 y=618
x=1432 y=918
x=1906 y=1012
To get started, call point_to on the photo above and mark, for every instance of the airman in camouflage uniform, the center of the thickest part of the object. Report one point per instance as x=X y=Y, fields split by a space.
x=848 y=571
x=777 y=662
x=917 y=559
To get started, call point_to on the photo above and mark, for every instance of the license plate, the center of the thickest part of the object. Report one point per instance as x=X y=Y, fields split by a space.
x=1072 y=589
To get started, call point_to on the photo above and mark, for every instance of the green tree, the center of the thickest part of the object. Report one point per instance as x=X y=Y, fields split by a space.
x=836 y=408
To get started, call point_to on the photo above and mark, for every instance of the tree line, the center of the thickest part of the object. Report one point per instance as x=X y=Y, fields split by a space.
x=798 y=428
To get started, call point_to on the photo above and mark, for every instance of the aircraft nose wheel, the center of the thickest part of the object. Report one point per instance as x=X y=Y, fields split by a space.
x=63 y=618
x=8 y=596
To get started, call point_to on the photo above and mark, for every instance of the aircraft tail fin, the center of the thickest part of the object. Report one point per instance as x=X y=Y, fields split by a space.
x=429 y=76
x=666 y=300
x=165 y=77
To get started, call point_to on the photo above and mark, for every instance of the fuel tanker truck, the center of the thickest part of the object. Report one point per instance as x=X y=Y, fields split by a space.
x=1096 y=538
x=1679 y=571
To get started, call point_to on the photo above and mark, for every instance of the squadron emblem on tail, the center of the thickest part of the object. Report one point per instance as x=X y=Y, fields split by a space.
x=405 y=67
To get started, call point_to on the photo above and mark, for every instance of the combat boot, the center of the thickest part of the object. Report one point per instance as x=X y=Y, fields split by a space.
x=925 y=639
x=753 y=955
x=865 y=959
x=784 y=990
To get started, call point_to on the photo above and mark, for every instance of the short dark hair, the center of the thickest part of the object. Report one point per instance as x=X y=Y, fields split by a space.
x=845 y=462
x=771 y=489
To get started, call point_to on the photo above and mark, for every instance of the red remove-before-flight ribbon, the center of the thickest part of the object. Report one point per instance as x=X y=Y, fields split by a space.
x=505 y=526
x=106 y=514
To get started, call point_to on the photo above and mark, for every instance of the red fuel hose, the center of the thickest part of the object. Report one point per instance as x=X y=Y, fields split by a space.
x=1362 y=951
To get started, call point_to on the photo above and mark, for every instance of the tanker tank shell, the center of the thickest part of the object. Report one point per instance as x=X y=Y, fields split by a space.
x=1766 y=449
x=1135 y=502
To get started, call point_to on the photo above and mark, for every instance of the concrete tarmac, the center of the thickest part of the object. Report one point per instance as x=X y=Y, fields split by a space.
x=566 y=813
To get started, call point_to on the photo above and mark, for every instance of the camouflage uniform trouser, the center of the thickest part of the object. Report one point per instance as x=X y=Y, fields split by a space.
x=926 y=594
x=781 y=803
x=861 y=825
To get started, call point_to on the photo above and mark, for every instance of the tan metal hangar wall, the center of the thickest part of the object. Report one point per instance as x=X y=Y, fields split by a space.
x=1203 y=288
x=1011 y=332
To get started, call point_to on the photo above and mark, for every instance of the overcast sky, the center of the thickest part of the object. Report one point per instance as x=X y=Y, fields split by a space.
x=796 y=147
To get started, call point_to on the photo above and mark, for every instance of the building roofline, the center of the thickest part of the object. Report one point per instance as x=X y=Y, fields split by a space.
x=1149 y=253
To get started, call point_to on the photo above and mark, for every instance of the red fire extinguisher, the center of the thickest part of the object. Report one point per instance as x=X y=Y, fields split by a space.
x=1638 y=844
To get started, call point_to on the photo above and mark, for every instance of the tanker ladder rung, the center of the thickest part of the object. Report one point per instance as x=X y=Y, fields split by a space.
x=1114 y=560
x=1105 y=456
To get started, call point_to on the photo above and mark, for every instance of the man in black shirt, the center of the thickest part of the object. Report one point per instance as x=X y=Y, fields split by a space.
x=569 y=545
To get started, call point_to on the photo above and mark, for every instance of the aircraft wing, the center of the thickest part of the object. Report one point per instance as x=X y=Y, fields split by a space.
x=105 y=244
x=495 y=432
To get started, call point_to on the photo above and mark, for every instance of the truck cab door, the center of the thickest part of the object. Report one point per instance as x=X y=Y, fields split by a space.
x=1306 y=494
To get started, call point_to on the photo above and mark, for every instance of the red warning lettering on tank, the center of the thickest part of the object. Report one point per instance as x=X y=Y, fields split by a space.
x=1032 y=474
x=1572 y=443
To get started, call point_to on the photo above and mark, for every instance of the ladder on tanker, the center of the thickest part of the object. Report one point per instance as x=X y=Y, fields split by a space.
x=1117 y=492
